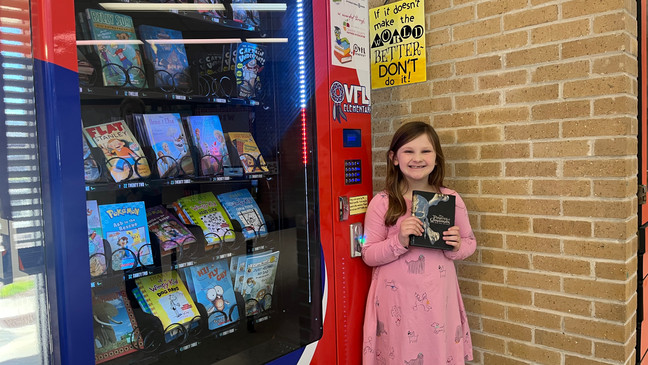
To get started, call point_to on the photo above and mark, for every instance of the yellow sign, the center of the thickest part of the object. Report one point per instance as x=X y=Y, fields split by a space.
x=397 y=35
x=358 y=204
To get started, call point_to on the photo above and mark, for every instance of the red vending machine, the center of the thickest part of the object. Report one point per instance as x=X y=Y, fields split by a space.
x=205 y=168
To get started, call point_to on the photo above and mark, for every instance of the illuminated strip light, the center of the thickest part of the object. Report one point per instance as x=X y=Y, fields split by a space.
x=190 y=7
x=302 y=79
x=194 y=41
x=99 y=42
x=267 y=40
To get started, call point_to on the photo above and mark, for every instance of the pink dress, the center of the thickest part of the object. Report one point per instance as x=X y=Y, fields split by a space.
x=414 y=313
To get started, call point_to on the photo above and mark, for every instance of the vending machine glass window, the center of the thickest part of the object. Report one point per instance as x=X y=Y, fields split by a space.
x=197 y=125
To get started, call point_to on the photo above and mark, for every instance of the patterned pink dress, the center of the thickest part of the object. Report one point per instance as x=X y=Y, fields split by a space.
x=414 y=313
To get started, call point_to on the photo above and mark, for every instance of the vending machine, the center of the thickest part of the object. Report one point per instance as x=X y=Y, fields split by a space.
x=205 y=168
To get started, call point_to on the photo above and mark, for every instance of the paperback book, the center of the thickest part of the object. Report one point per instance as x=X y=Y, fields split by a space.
x=437 y=212
x=95 y=240
x=205 y=211
x=240 y=206
x=169 y=231
x=90 y=166
x=126 y=230
x=207 y=135
x=248 y=152
x=113 y=325
x=250 y=61
x=168 y=58
x=165 y=135
x=258 y=282
x=245 y=16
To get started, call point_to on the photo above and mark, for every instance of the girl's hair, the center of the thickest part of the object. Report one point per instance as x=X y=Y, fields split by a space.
x=395 y=180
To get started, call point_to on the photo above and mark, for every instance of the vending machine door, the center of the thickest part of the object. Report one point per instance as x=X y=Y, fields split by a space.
x=184 y=132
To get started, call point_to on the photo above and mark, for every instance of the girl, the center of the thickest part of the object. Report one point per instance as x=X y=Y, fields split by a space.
x=414 y=312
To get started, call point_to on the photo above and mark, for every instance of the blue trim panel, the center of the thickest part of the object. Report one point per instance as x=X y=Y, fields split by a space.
x=58 y=116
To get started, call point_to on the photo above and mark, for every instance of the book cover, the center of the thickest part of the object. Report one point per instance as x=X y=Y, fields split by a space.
x=238 y=262
x=95 y=240
x=137 y=293
x=207 y=135
x=250 y=61
x=168 y=298
x=212 y=287
x=437 y=212
x=205 y=211
x=169 y=143
x=90 y=167
x=240 y=206
x=121 y=60
x=124 y=157
x=126 y=230
x=168 y=58
x=245 y=16
x=248 y=151
x=258 y=283
x=168 y=229
x=113 y=325
x=210 y=13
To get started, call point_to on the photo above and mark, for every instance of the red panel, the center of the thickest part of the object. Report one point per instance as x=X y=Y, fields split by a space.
x=54 y=37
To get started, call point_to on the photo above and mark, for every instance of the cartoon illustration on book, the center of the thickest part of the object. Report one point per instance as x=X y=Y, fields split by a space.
x=126 y=230
x=95 y=240
x=207 y=134
x=342 y=47
x=250 y=61
x=113 y=325
x=169 y=60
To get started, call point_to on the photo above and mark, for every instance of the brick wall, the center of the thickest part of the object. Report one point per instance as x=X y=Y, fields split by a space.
x=535 y=102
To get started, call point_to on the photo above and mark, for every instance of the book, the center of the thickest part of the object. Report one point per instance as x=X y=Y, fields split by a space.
x=137 y=293
x=205 y=211
x=258 y=282
x=167 y=58
x=248 y=151
x=113 y=325
x=437 y=212
x=207 y=135
x=238 y=264
x=342 y=58
x=126 y=230
x=250 y=61
x=121 y=59
x=168 y=299
x=166 y=136
x=95 y=240
x=341 y=47
x=212 y=287
x=240 y=206
x=124 y=157
x=210 y=13
x=248 y=18
x=169 y=231
x=90 y=167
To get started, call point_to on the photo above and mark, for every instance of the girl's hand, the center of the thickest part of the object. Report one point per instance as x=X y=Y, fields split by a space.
x=452 y=237
x=410 y=225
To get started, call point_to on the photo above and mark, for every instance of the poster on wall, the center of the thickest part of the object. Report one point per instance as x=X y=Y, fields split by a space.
x=397 y=36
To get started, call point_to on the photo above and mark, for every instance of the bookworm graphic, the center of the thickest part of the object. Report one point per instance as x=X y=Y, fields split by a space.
x=113 y=325
x=436 y=211
x=124 y=157
x=240 y=206
x=207 y=135
x=126 y=230
x=250 y=61
x=248 y=152
x=169 y=60
x=342 y=47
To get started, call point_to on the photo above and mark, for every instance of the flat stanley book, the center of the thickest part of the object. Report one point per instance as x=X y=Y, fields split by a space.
x=437 y=212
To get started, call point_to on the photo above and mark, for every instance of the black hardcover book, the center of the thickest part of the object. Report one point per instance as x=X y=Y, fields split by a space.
x=437 y=212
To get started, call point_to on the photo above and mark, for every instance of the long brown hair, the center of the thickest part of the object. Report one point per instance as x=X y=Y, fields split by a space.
x=406 y=133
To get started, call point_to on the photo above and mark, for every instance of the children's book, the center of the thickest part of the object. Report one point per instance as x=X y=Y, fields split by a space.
x=342 y=47
x=212 y=287
x=113 y=323
x=258 y=282
x=437 y=212
x=250 y=61
x=249 y=18
x=95 y=240
x=239 y=271
x=208 y=137
x=240 y=206
x=168 y=229
x=210 y=13
x=166 y=136
x=205 y=211
x=168 y=298
x=137 y=293
x=248 y=151
x=126 y=230
x=168 y=58
x=90 y=166
x=124 y=157
x=121 y=59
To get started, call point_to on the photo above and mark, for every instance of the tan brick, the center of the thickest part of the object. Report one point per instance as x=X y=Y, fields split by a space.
x=598 y=86
x=430 y=6
x=451 y=16
x=531 y=168
x=563 y=304
x=562 y=341
x=482 y=134
x=615 y=188
x=599 y=209
x=488 y=342
x=461 y=119
x=422 y=90
x=476 y=29
x=545 y=14
x=597 y=168
x=503 y=115
x=576 y=8
x=446 y=136
x=489 y=309
x=616 y=271
x=506 y=329
x=575 y=360
x=481 y=273
x=532 y=243
x=563 y=227
x=479 y=64
x=615 y=105
x=500 y=42
x=496 y=7
x=389 y=110
x=561 y=265
x=614 y=351
x=505 y=223
x=434 y=72
x=615 y=146
x=532 y=280
x=451 y=86
x=530 y=56
x=460 y=153
x=489 y=239
x=489 y=205
x=532 y=206
x=450 y=51
x=619 y=126
x=532 y=94
x=506 y=259
x=531 y=131
x=538 y=355
x=562 y=188
x=437 y=37
x=468 y=287
x=474 y=169
x=561 y=149
x=560 y=31
x=429 y=105
x=501 y=360
x=614 y=64
x=615 y=230
x=505 y=151
x=502 y=80
x=561 y=71
x=478 y=100
x=561 y=110
x=505 y=187
x=614 y=22
x=597 y=249
x=591 y=328
x=464 y=186
x=618 y=312
x=597 y=45
x=596 y=289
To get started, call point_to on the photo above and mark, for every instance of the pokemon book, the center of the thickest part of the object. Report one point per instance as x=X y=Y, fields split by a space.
x=126 y=230
x=240 y=206
x=437 y=212
x=258 y=282
x=248 y=152
x=207 y=134
x=95 y=240
x=205 y=211
x=169 y=231
x=167 y=139
x=113 y=323
x=124 y=157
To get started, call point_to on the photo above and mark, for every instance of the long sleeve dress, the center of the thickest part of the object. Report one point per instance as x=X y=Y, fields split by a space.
x=414 y=313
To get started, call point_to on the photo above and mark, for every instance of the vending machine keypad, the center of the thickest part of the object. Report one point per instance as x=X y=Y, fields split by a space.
x=352 y=172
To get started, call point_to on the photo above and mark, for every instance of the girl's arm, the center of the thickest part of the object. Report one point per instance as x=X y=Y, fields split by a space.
x=379 y=248
x=468 y=241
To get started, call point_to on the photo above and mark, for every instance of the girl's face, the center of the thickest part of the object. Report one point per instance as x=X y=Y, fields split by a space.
x=416 y=160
